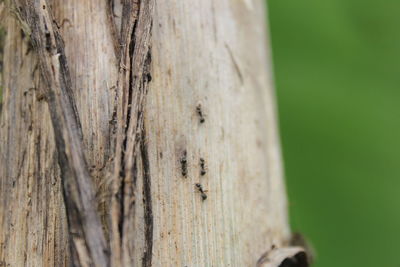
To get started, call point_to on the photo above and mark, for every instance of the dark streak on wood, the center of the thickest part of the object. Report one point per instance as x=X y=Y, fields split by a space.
x=21 y=165
x=148 y=212
x=264 y=257
x=235 y=64
x=214 y=21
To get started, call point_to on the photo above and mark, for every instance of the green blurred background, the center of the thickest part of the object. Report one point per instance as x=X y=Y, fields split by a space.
x=337 y=71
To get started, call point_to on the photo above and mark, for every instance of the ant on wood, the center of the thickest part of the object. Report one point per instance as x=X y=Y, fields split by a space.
x=202 y=191
x=202 y=167
x=183 y=162
x=200 y=113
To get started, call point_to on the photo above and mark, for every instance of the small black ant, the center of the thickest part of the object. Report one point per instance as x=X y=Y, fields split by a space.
x=202 y=167
x=48 y=38
x=183 y=162
x=202 y=192
x=200 y=113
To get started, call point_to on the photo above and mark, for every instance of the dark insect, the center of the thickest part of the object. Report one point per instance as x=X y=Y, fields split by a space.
x=202 y=191
x=183 y=162
x=200 y=113
x=48 y=41
x=48 y=38
x=202 y=167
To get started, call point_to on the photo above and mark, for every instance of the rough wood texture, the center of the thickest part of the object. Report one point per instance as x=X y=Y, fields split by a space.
x=211 y=56
x=178 y=135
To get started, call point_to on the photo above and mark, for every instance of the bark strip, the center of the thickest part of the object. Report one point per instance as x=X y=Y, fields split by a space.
x=113 y=28
x=87 y=238
x=134 y=76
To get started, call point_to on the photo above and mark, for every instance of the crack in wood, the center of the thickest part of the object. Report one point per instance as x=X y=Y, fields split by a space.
x=148 y=212
x=134 y=76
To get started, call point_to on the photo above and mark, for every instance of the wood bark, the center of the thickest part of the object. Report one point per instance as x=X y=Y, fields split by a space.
x=140 y=133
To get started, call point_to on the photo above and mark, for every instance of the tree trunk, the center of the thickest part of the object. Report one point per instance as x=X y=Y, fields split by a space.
x=139 y=133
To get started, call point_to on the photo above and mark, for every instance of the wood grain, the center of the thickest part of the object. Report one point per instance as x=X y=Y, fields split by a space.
x=169 y=95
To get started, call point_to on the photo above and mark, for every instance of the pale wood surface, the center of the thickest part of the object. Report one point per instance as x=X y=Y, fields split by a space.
x=209 y=107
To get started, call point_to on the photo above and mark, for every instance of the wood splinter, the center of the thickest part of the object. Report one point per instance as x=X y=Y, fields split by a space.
x=284 y=257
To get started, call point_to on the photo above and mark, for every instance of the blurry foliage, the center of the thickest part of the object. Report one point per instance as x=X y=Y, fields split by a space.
x=337 y=65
